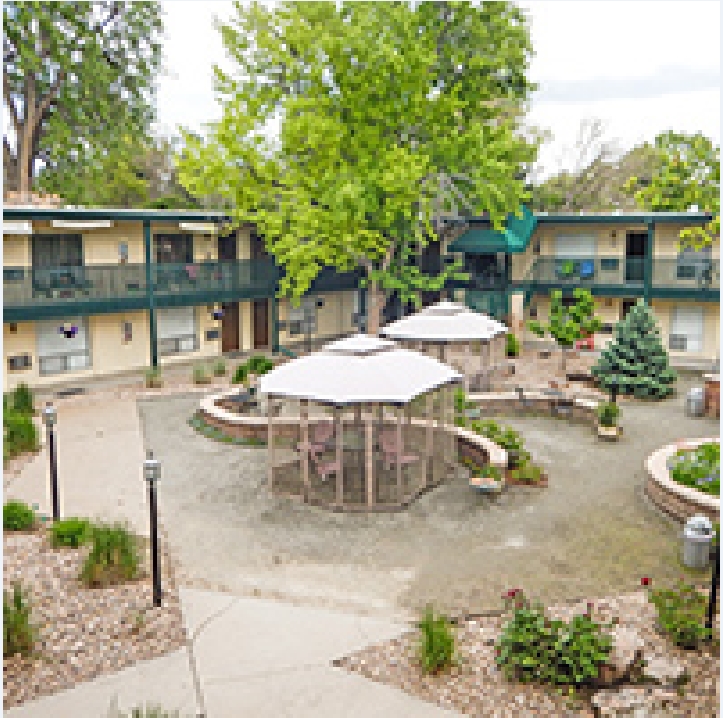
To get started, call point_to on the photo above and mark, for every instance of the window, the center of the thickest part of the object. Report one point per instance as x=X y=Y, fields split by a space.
x=626 y=306
x=302 y=319
x=58 y=353
x=174 y=248
x=176 y=330
x=575 y=246
x=693 y=263
x=57 y=250
x=686 y=329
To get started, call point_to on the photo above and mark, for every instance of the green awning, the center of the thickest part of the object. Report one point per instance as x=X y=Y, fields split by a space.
x=513 y=239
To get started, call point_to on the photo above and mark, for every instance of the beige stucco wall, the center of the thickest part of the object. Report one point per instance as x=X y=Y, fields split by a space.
x=21 y=341
x=16 y=250
x=109 y=352
x=246 y=335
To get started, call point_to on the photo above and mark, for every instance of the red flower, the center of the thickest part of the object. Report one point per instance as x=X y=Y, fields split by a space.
x=645 y=581
x=519 y=604
x=590 y=606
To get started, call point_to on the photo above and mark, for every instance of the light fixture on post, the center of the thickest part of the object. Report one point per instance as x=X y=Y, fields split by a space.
x=152 y=474
x=50 y=417
x=217 y=313
x=68 y=330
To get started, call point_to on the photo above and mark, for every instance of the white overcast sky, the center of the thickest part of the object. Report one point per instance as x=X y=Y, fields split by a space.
x=641 y=66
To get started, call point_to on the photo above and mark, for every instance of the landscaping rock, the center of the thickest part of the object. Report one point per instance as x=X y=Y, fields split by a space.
x=638 y=702
x=664 y=670
x=627 y=652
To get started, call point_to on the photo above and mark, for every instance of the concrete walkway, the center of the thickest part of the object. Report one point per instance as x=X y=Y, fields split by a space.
x=245 y=656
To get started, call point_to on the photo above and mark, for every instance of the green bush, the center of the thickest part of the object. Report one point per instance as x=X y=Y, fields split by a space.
x=219 y=368
x=698 y=468
x=259 y=364
x=536 y=649
x=436 y=646
x=113 y=557
x=70 y=533
x=527 y=473
x=513 y=345
x=22 y=400
x=18 y=516
x=681 y=614
x=488 y=471
x=200 y=375
x=19 y=634
x=20 y=433
x=608 y=413
x=154 y=378
x=240 y=375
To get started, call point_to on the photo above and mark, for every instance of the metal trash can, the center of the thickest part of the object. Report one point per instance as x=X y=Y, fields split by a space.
x=697 y=539
x=695 y=402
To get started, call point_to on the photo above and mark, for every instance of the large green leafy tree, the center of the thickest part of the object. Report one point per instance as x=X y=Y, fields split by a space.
x=77 y=79
x=391 y=115
x=635 y=362
x=688 y=174
x=568 y=324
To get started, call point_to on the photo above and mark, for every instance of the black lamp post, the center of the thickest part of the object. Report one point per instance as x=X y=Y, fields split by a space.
x=50 y=416
x=715 y=550
x=152 y=473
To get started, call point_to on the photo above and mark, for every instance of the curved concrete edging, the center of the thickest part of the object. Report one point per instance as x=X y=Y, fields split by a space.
x=257 y=427
x=680 y=502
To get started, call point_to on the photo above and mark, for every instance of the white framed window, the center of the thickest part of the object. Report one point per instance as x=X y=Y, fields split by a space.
x=60 y=352
x=302 y=319
x=575 y=246
x=176 y=330
x=686 y=329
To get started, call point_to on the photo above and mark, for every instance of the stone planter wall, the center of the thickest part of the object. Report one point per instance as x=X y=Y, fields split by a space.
x=678 y=501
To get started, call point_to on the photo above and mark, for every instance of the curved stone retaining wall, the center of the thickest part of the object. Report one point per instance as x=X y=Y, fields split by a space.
x=247 y=426
x=680 y=502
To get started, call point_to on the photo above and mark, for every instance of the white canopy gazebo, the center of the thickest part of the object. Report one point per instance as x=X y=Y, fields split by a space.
x=455 y=334
x=356 y=444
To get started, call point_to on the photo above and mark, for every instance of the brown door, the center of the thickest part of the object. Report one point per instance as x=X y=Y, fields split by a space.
x=261 y=324
x=230 y=328
x=227 y=248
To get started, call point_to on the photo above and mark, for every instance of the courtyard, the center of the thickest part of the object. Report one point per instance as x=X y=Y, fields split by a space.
x=590 y=532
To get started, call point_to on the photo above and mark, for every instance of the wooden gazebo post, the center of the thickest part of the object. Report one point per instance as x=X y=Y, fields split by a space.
x=305 y=445
x=270 y=407
x=430 y=436
x=339 y=421
x=369 y=455
x=400 y=489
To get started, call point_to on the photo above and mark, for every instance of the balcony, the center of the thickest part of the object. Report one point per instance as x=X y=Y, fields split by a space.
x=626 y=275
x=47 y=293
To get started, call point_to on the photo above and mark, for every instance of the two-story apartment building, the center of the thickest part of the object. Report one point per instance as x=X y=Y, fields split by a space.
x=99 y=292
x=96 y=292
x=618 y=257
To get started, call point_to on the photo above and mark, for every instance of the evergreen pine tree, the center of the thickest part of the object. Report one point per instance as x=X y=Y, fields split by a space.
x=636 y=362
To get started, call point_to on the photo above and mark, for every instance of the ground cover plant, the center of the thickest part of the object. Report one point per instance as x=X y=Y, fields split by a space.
x=113 y=558
x=154 y=378
x=436 y=642
x=513 y=345
x=219 y=368
x=681 y=613
x=533 y=648
x=698 y=468
x=18 y=516
x=70 y=533
x=200 y=375
x=608 y=413
x=19 y=634
x=211 y=432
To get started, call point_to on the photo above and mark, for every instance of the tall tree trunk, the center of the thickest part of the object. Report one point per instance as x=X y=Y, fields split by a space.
x=25 y=162
x=375 y=305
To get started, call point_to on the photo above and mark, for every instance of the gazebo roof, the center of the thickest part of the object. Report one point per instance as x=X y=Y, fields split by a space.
x=358 y=370
x=445 y=322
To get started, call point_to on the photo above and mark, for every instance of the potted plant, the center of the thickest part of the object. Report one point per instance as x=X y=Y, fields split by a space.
x=200 y=375
x=487 y=479
x=154 y=380
x=607 y=421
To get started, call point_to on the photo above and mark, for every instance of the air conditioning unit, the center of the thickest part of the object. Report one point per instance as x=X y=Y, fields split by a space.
x=20 y=362
x=678 y=342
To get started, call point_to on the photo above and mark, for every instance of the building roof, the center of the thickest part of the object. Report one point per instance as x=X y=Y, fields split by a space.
x=514 y=238
x=29 y=212
x=445 y=322
x=358 y=370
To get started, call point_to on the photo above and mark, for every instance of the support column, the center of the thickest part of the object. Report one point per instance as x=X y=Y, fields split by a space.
x=147 y=239
x=339 y=421
x=305 y=453
x=430 y=436
x=400 y=488
x=369 y=455
x=648 y=277
x=274 y=323
x=270 y=442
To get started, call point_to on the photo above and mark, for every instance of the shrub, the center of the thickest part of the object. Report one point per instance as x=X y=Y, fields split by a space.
x=259 y=364
x=113 y=557
x=436 y=646
x=681 y=614
x=240 y=375
x=488 y=471
x=22 y=399
x=20 y=433
x=527 y=473
x=608 y=413
x=200 y=376
x=513 y=345
x=698 y=468
x=219 y=368
x=19 y=634
x=535 y=648
x=18 y=516
x=71 y=533
x=154 y=378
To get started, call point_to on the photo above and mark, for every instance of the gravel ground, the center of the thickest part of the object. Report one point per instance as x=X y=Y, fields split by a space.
x=476 y=687
x=590 y=533
x=83 y=633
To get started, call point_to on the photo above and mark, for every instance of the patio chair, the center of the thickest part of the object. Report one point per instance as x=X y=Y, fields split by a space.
x=587 y=269
x=320 y=437
x=393 y=455
x=326 y=469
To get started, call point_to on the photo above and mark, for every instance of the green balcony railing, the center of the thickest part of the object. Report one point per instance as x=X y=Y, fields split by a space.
x=686 y=275
x=39 y=293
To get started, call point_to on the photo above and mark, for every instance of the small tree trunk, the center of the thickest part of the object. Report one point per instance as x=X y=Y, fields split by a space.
x=25 y=163
x=375 y=305
x=563 y=357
